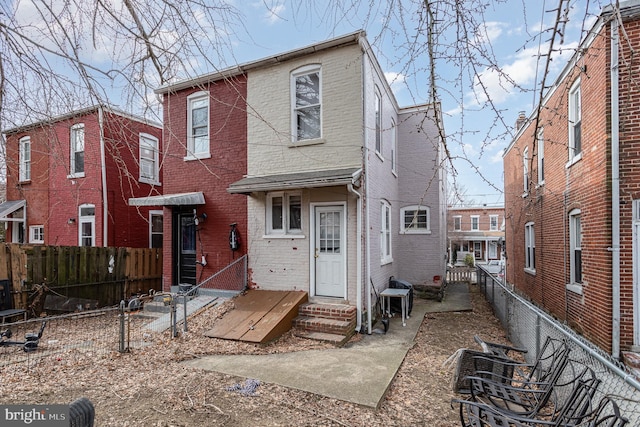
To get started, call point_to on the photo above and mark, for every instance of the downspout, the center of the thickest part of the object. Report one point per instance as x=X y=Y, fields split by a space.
x=103 y=166
x=615 y=192
x=358 y=256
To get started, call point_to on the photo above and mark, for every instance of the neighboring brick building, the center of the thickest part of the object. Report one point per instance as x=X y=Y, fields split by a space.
x=566 y=209
x=69 y=179
x=476 y=230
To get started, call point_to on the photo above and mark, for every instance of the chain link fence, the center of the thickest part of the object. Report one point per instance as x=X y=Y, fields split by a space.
x=527 y=326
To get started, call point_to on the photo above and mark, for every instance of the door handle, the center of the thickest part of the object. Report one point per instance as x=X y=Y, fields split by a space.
x=316 y=255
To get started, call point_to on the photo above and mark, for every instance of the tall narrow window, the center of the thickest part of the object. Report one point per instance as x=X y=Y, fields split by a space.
x=25 y=159
x=530 y=247
x=87 y=225
x=540 y=142
x=307 y=103
x=378 y=118
x=525 y=170
x=475 y=223
x=148 y=159
x=575 y=122
x=385 y=233
x=77 y=150
x=457 y=223
x=156 y=219
x=575 y=234
x=394 y=147
x=198 y=125
x=284 y=213
x=493 y=222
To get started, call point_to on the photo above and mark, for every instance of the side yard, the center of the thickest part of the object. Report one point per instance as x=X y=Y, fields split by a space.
x=150 y=387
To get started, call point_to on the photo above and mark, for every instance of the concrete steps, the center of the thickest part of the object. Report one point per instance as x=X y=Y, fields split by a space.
x=334 y=323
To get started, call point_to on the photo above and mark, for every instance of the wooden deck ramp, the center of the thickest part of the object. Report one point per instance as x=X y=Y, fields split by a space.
x=259 y=316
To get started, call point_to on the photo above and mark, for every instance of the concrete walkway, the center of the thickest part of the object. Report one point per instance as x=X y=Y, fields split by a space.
x=360 y=372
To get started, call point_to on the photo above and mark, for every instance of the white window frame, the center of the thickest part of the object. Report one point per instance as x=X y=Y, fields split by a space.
x=153 y=143
x=394 y=147
x=475 y=223
x=378 y=121
x=386 y=252
x=529 y=247
x=192 y=100
x=575 y=244
x=36 y=234
x=575 y=122
x=286 y=230
x=457 y=223
x=540 y=142
x=77 y=134
x=296 y=110
x=493 y=249
x=493 y=222
x=525 y=171
x=413 y=227
x=24 y=173
x=86 y=219
x=152 y=233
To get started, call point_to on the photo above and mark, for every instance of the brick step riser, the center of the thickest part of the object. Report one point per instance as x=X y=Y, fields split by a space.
x=317 y=325
x=311 y=311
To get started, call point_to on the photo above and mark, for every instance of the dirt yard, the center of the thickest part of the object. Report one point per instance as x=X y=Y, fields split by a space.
x=150 y=387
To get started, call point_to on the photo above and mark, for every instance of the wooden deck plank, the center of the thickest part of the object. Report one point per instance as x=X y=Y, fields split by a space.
x=250 y=319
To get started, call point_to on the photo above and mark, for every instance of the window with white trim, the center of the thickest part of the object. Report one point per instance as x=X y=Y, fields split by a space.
x=475 y=222
x=25 y=159
x=415 y=220
x=493 y=249
x=493 y=222
x=575 y=122
x=394 y=147
x=198 y=125
x=76 y=157
x=540 y=142
x=149 y=149
x=36 y=234
x=575 y=245
x=87 y=225
x=284 y=213
x=525 y=170
x=530 y=247
x=457 y=223
x=156 y=219
x=306 y=103
x=378 y=124
x=385 y=233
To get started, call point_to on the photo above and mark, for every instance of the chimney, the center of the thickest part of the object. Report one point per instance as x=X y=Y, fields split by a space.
x=521 y=120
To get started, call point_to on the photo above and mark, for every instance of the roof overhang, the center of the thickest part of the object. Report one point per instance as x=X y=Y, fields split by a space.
x=178 y=199
x=316 y=179
x=9 y=207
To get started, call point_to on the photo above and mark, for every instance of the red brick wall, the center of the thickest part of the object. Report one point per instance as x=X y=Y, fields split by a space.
x=583 y=185
x=212 y=176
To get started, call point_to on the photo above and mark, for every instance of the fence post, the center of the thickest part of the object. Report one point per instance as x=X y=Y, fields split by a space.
x=174 y=327
x=184 y=302
x=121 y=348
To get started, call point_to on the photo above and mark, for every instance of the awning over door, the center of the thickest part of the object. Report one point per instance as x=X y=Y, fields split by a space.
x=177 y=199
x=324 y=178
x=9 y=207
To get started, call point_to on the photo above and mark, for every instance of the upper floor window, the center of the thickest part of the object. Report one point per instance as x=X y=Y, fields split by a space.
x=475 y=222
x=36 y=234
x=378 y=118
x=25 y=159
x=525 y=170
x=155 y=229
x=540 y=142
x=77 y=150
x=575 y=244
x=284 y=213
x=198 y=125
x=415 y=219
x=385 y=233
x=394 y=147
x=575 y=122
x=493 y=222
x=149 y=159
x=530 y=247
x=307 y=103
x=457 y=223
x=87 y=225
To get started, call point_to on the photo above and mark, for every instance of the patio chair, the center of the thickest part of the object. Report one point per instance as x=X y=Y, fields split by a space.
x=572 y=411
x=498 y=349
x=526 y=396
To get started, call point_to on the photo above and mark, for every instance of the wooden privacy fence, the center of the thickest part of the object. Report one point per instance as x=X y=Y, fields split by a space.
x=70 y=277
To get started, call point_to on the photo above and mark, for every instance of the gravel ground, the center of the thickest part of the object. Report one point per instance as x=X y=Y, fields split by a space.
x=150 y=387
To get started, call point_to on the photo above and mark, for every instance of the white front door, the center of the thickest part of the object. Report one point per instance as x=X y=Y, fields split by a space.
x=329 y=251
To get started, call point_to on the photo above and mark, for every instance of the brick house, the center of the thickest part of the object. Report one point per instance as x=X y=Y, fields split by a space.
x=572 y=190
x=69 y=178
x=476 y=230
